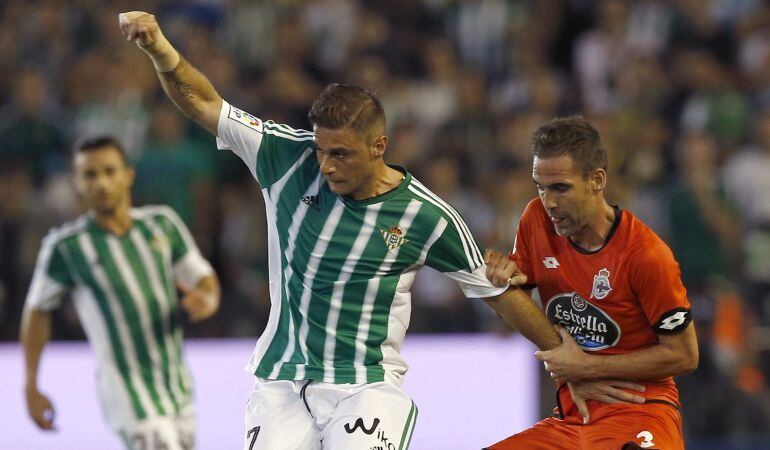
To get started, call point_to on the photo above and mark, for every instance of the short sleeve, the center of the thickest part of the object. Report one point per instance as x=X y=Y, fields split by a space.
x=189 y=265
x=267 y=148
x=521 y=251
x=657 y=282
x=456 y=255
x=52 y=278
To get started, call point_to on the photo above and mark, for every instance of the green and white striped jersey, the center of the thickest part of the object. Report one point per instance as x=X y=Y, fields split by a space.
x=341 y=269
x=124 y=290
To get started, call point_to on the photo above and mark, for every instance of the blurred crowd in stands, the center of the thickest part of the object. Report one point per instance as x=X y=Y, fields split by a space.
x=680 y=91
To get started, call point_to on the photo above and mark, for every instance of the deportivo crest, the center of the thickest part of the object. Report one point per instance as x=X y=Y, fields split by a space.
x=394 y=237
x=601 y=286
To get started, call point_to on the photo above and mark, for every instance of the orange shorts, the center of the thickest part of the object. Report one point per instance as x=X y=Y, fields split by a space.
x=647 y=426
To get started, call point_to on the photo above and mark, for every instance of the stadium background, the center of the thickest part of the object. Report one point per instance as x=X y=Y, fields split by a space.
x=680 y=91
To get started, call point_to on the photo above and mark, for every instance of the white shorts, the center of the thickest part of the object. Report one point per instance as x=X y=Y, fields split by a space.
x=311 y=415
x=166 y=433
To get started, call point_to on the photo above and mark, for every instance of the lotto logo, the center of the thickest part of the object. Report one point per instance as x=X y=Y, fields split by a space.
x=550 y=262
x=671 y=322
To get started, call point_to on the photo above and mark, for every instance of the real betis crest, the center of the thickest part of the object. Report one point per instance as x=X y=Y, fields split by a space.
x=394 y=236
x=601 y=286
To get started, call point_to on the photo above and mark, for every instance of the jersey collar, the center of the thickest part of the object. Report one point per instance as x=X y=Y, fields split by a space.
x=615 y=225
x=386 y=195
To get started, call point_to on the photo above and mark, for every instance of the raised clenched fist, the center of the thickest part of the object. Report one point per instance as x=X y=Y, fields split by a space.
x=140 y=27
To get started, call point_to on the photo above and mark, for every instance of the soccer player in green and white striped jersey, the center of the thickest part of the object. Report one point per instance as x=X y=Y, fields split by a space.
x=347 y=235
x=122 y=266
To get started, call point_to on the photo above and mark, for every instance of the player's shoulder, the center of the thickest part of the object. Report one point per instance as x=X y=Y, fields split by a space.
x=644 y=245
x=163 y=213
x=152 y=211
x=286 y=131
x=432 y=204
x=240 y=117
x=66 y=230
x=535 y=217
x=534 y=208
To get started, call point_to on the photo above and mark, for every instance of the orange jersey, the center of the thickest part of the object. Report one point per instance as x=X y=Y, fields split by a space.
x=613 y=300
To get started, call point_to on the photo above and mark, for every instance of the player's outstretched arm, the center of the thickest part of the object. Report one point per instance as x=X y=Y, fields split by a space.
x=189 y=89
x=674 y=355
x=519 y=311
x=35 y=333
x=514 y=305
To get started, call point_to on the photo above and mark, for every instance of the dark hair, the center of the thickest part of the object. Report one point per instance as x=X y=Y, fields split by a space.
x=572 y=136
x=91 y=144
x=341 y=105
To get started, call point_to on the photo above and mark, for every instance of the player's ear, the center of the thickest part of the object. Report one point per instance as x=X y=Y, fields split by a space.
x=131 y=175
x=380 y=144
x=598 y=180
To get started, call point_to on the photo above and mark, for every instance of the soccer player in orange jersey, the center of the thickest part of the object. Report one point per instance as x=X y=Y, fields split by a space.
x=612 y=285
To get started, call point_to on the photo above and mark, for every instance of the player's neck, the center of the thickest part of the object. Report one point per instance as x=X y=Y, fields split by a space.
x=593 y=236
x=117 y=221
x=384 y=179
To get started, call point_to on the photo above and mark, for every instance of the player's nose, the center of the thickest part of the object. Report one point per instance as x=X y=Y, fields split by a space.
x=327 y=168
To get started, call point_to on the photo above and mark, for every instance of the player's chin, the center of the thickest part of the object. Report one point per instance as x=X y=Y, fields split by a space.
x=104 y=206
x=564 y=231
x=339 y=187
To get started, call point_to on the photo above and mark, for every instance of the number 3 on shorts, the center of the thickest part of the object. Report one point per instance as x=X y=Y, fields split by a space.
x=647 y=438
x=255 y=432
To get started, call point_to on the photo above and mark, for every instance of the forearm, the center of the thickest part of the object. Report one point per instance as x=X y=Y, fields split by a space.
x=35 y=333
x=519 y=311
x=192 y=93
x=189 y=89
x=653 y=363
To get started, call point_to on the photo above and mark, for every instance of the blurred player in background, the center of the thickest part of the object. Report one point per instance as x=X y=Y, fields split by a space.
x=615 y=287
x=347 y=234
x=122 y=267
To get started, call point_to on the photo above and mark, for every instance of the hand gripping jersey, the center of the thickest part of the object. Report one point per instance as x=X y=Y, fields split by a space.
x=614 y=300
x=341 y=269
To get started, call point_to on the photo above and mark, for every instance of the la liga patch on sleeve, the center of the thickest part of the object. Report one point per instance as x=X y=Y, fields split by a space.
x=244 y=118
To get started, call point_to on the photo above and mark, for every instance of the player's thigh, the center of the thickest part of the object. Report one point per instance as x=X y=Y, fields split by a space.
x=277 y=419
x=548 y=434
x=158 y=433
x=381 y=416
x=648 y=426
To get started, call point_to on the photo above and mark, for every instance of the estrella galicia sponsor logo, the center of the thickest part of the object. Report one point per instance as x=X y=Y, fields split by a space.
x=313 y=201
x=359 y=423
x=592 y=328
x=579 y=303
